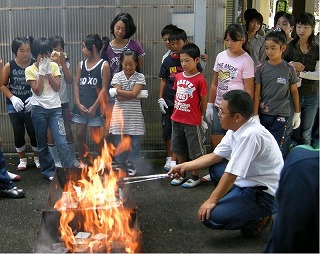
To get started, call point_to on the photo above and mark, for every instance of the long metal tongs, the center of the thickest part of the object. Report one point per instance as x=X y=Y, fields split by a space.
x=138 y=179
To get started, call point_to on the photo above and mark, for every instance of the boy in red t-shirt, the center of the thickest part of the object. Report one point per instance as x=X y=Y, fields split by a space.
x=189 y=107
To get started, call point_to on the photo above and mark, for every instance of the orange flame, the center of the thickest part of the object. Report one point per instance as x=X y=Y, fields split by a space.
x=94 y=205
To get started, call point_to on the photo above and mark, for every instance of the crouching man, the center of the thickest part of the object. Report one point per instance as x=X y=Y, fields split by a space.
x=245 y=168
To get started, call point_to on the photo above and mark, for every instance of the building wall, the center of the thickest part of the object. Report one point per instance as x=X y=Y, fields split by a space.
x=74 y=19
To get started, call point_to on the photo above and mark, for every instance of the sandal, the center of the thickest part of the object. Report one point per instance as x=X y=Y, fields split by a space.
x=13 y=193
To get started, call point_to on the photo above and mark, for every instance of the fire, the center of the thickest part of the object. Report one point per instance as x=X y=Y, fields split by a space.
x=93 y=218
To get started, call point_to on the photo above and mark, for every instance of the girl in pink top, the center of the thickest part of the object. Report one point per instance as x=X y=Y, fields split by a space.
x=233 y=69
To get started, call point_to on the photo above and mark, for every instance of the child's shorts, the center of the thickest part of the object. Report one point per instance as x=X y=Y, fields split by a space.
x=90 y=121
x=216 y=128
x=166 y=123
x=187 y=140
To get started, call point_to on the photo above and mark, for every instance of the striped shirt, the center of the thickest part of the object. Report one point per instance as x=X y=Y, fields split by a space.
x=129 y=112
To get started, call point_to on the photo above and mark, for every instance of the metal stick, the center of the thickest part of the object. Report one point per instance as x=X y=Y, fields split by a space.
x=157 y=176
x=144 y=180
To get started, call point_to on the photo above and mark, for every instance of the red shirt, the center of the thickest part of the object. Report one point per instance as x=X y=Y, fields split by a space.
x=189 y=89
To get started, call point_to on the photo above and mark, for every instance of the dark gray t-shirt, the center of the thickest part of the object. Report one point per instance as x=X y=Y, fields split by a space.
x=275 y=84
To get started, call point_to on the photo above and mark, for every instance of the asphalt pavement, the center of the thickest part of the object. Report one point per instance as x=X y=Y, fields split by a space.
x=167 y=215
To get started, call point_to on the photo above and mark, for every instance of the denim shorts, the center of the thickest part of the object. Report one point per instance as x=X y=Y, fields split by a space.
x=90 y=121
x=216 y=128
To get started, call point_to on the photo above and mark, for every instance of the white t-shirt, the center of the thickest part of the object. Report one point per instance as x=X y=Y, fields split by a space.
x=254 y=155
x=63 y=92
x=48 y=99
x=231 y=73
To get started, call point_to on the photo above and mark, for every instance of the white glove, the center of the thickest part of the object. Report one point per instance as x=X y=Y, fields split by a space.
x=113 y=92
x=209 y=112
x=49 y=69
x=257 y=118
x=204 y=125
x=296 y=120
x=17 y=103
x=143 y=94
x=162 y=105
x=43 y=67
x=28 y=104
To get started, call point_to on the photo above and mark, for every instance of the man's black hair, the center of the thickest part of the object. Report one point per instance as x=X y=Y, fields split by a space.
x=239 y=101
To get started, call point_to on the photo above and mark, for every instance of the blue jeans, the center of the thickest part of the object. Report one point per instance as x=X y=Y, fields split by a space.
x=133 y=155
x=288 y=132
x=42 y=119
x=276 y=125
x=309 y=107
x=315 y=131
x=240 y=208
x=302 y=135
x=5 y=182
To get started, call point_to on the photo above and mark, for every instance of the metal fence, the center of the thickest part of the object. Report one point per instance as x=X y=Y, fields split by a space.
x=74 y=19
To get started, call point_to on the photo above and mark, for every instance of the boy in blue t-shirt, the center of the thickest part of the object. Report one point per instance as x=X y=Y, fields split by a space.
x=169 y=69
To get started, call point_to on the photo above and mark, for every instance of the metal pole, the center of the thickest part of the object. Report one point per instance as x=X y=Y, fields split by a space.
x=200 y=20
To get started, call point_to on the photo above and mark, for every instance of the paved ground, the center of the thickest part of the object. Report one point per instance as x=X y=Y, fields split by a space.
x=167 y=216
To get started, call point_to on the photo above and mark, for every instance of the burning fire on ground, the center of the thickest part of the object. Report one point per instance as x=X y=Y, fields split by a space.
x=93 y=218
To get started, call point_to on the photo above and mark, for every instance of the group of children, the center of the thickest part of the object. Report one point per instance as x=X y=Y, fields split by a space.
x=271 y=78
x=37 y=99
x=109 y=84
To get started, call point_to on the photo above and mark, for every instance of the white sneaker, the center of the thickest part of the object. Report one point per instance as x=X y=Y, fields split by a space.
x=14 y=177
x=191 y=183
x=167 y=166
x=58 y=164
x=205 y=179
x=132 y=171
x=23 y=164
x=36 y=162
x=178 y=181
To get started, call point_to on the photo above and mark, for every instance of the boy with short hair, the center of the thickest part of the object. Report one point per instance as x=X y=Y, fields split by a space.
x=165 y=32
x=190 y=104
x=169 y=69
